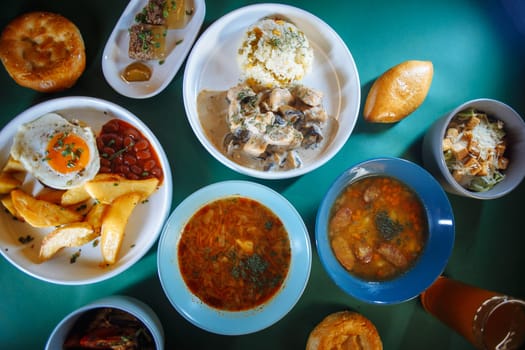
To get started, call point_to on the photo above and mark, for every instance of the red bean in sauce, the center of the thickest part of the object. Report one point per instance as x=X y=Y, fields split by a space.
x=125 y=151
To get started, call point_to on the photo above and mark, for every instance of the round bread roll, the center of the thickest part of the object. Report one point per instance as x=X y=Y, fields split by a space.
x=43 y=51
x=344 y=330
x=398 y=92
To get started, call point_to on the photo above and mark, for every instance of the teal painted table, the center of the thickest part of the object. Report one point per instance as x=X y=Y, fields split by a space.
x=477 y=49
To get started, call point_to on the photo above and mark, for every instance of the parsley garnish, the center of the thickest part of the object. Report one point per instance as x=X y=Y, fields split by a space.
x=386 y=226
x=26 y=239
x=74 y=257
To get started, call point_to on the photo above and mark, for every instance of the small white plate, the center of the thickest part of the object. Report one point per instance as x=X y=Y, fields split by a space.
x=212 y=65
x=241 y=322
x=115 y=57
x=142 y=230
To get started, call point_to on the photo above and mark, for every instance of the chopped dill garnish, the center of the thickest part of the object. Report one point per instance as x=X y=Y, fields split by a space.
x=26 y=239
x=74 y=257
x=386 y=226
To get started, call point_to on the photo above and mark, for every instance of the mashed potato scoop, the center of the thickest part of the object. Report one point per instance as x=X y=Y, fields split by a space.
x=274 y=52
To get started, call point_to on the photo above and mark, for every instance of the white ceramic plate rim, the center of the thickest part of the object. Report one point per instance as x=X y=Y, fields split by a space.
x=223 y=322
x=115 y=57
x=144 y=227
x=212 y=65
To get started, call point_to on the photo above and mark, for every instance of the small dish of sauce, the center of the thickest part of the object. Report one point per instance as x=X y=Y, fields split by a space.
x=136 y=71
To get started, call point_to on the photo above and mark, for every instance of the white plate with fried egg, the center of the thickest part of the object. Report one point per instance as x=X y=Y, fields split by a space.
x=178 y=43
x=212 y=65
x=20 y=242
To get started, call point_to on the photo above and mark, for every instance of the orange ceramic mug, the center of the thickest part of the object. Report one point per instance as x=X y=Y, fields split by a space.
x=487 y=319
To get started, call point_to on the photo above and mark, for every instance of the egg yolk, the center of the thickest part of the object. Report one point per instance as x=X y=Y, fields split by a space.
x=67 y=153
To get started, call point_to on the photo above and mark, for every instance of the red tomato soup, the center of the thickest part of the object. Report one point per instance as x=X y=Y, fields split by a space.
x=377 y=228
x=234 y=254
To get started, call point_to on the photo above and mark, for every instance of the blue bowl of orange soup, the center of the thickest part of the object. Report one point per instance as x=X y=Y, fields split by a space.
x=384 y=230
x=234 y=257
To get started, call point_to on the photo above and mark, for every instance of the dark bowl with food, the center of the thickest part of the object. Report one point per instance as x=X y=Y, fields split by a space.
x=116 y=320
x=477 y=150
x=384 y=230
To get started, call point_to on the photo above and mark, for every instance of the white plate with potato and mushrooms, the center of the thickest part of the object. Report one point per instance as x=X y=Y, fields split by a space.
x=258 y=52
x=149 y=43
x=85 y=187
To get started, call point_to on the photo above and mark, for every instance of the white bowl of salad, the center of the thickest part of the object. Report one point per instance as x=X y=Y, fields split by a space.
x=477 y=150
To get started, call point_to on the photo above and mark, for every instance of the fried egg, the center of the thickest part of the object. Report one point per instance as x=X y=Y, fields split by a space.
x=59 y=153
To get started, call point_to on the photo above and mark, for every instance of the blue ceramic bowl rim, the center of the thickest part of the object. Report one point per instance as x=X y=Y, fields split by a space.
x=438 y=247
x=243 y=322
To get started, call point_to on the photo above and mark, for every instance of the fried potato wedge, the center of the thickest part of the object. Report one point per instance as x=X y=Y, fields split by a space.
x=107 y=176
x=107 y=190
x=113 y=224
x=13 y=166
x=7 y=202
x=95 y=215
x=39 y=213
x=79 y=194
x=50 y=195
x=8 y=182
x=69 y=235
x=74 y=196
x=81 y=208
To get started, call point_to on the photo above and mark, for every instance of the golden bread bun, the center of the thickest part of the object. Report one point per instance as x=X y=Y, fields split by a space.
x=43 y=51
x=344 y=330
x=398 y=92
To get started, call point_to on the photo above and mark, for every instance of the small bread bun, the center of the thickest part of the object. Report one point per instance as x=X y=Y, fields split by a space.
x=344 y=330
x=43 y=51
x=398 y=92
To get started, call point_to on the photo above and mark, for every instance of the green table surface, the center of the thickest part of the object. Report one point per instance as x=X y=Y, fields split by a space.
x=478 y=50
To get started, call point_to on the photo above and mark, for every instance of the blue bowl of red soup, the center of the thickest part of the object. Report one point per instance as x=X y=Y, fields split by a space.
x=234 y=257
x=384 y=230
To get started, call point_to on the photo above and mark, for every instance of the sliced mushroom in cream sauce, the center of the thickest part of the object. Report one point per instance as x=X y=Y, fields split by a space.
x=275 y=129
